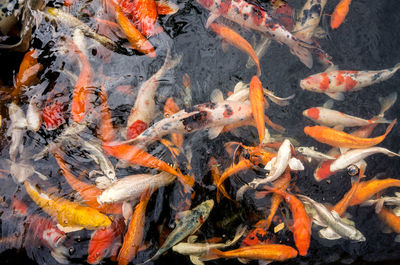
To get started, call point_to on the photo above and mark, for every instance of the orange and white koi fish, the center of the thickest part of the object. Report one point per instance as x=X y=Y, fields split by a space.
x=67 y=213
x=251 y=16
x=135 y=38
x=134 y=236
x=83 y=87
x=88 y=192
x=334 y=83
x=171 y=108
x=340 y=13
x=236 y=40
x=301 y=221
x=308 y=20
x=144 y=110
x=27 y=73
x=105 y=241
x=269 y=252
x=145 y=15
x=256 y=96
x=331 y=118
x=344 y=140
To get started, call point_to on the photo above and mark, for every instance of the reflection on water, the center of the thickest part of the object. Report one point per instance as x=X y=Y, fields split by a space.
x=68 y=151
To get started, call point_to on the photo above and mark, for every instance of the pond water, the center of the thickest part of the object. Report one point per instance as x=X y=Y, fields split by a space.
x=367 y=40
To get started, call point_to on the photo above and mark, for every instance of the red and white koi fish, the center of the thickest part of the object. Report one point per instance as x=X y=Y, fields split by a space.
x=331 y=118
x=308 y=19
x=334 y=83
x=144 y=110
x=353 y=156
x=251 y=16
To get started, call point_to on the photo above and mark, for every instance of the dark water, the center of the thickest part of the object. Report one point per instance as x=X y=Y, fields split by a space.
x=368 y=40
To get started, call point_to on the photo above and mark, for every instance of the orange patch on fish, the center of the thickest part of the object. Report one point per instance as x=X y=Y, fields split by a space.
x=325 y=81
x=350 y=83
x=313 y=113
x=136 y=129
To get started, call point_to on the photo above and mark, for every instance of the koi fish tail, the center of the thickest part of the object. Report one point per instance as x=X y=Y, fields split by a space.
x=386 y=103
x=212 y=254
x=60 y=254
x=390 y=128
x=302 y=53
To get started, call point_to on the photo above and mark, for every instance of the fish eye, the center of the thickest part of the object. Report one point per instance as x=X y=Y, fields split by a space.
x=166 y=115
x=352 y=170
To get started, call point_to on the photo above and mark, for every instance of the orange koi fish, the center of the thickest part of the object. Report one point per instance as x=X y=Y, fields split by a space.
x=134 y=236
x=367 y=189
x=145 y=15
x=88 y=192
x=341 y=206
x=171 y=108
x=27 y=72
x=104 y=241
x=216 y=176
x=236 y=40
x=82 y=89
x=106 y=129
x=68 y=214
x=301 y=222
x=137 y=156
x=256 y=95
x=341 y=139
x=271 y=252
x=340 y=13
x=135 y=38
x=389 y=218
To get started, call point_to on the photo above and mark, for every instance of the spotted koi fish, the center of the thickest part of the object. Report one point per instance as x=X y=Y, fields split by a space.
x=334 y=83
x=253 y=17
x=308 y=19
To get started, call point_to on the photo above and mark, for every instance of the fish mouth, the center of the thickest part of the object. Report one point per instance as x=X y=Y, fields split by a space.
x=59 y=240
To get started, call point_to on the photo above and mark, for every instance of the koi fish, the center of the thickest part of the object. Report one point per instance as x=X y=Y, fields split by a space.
x=353 y=156
x=73 y=22
x=171 y=108
x=301 y=221
x=329 y=117
x=256 y=96
x=198 y=249
x=105 y=241
x=344 y=140
x=236 y=40
x=106 y=129
x=391 y=220
x=27 y=73
x=335 y=227
x=68 y=214
x=251 y=16
x=145 y=16
x=135 y=38
x=134 y=236
x=334 y=83
x=308 y=20
x=340 y=13
x=190 y=221
x=269 y=252
x=88 y=192
x=144 y=110
x=130 y=187
x=312 y=153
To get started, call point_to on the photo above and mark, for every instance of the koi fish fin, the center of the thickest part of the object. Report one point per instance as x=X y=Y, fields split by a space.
x=379 y=119
x=240 y=231
x=390 y=128
x=264 y=262
x=328 y=104
x=240 y=86
x=196 y=260
x=320 y=33
x=192 y=239
x=127 y=211
x=214 y=131
x=335 y=95
x=329 y=234
x=241 y=191
x=243 y=260
x=69 y=229
x=224 y=46
x=216 y=96
x=396 y=211
x=303 y=54
x=166 y=8
x=379 y=205
x=212 y=254
x=396 y=67
x=343 y=149
x=60 y=254
x=277 y=100
x=102 y=182
x=295 y=164
x=211 y=19
x=387 y=102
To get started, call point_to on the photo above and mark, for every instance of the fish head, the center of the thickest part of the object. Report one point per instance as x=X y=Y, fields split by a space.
x=311 y=83
x=98 y=251
x=324 y=170
x=312 y=113
x=205 y=208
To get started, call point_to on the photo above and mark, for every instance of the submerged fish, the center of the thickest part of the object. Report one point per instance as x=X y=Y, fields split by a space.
x=340 y=13
x=190 y=221
x=308 y=19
